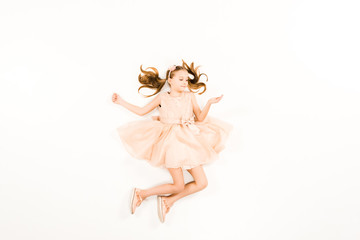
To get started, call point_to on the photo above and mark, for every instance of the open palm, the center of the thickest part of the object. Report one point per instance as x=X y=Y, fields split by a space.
x=215 y=99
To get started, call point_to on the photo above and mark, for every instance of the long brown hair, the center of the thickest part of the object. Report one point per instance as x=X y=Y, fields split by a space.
x=151 y=79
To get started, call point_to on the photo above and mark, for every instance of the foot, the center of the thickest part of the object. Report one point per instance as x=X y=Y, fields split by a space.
x=167 y=203
x=163 y=207
x=136 y=200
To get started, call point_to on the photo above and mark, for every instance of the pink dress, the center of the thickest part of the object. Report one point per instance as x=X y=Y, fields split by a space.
x=176 y=140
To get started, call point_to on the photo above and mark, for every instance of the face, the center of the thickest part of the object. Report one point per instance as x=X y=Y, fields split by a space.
x=179 y=80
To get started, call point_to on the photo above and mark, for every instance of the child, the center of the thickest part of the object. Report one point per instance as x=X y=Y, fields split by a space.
x=182 y=137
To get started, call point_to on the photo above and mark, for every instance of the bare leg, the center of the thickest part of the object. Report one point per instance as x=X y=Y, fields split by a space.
x=199 y=183
x=177 y=186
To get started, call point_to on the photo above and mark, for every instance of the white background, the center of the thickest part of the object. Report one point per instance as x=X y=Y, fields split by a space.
x=289 y=72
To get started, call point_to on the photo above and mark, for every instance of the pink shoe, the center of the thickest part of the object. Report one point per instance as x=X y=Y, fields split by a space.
x=136 y=200
x=162 y=206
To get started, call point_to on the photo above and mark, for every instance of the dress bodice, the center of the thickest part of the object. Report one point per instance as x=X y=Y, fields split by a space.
x=176 y=109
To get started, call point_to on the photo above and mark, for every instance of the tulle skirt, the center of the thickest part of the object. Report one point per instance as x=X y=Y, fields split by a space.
x=168 y=145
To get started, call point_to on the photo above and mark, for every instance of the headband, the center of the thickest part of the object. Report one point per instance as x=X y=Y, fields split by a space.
x=171 y=68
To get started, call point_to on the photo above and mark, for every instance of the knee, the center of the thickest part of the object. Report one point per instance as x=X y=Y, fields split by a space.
x=201 y=185
x=178 y=188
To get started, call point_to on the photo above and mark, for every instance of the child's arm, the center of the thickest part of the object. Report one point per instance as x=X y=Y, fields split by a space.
x=200 y=115
x=135 y=109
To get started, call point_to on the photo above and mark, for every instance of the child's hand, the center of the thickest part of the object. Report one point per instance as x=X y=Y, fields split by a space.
x=215 y=99
x=116 y=98
x=156 y=118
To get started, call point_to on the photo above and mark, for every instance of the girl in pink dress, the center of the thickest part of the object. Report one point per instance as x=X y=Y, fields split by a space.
x=182 y=137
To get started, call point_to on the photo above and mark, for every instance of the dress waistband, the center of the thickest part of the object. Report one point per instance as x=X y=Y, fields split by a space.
x=185 y=122
x=177 y=121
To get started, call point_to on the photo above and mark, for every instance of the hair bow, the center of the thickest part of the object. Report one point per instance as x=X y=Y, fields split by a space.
x=172 y=68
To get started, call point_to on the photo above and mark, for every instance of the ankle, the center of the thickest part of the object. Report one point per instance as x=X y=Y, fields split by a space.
x=143 y=196
x=169 y=201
